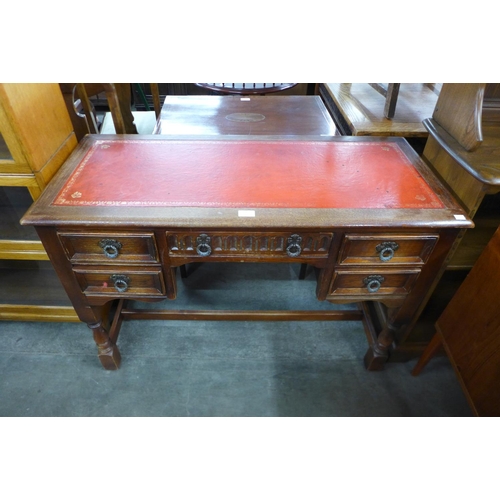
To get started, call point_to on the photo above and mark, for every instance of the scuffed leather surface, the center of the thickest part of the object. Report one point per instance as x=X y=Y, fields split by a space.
x=232 y=173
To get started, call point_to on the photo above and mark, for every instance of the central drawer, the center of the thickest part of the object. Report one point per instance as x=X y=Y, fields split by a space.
x=281 y=245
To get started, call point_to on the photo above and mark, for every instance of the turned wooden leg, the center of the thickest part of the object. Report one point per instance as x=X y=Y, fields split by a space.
x=429 y=352
x=378 y=353
x=107 y=351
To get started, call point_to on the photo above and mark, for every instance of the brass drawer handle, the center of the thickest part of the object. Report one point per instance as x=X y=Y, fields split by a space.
x=111 y=248
x=120 y=281
x=293 y=249
x=203 y=247
x=386 y=250
x=373 y=282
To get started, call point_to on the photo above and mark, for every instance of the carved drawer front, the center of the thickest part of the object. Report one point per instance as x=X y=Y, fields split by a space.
x=373 y=282
x=110 y=247
x=119 y=281
x=387 y=249
x=240 y=244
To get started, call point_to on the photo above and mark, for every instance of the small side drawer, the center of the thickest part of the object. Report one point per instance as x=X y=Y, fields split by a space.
x=110 y=247
x=373 y=282
x=293 y=244
x=386 y=249
x=120 y=282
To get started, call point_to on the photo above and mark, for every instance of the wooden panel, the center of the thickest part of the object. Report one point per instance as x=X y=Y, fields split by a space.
x=464 y=123
x=470 y=329
x=22 y=250
x=29 y=105
x=37 y=313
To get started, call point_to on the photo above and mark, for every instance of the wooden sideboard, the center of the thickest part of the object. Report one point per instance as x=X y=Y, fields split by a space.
x=125 y=212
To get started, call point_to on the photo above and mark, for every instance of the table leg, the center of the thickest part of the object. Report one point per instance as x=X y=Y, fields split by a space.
x=378 y=352
x=107 y=351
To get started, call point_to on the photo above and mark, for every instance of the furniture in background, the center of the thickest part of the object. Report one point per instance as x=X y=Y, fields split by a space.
x=390 y=92
x=360 y=109
x=116 y=228
x=252 y=115
x=469 y=331
x=118 y=98
x=463 y=149
x=247 y=88
x=36 y=137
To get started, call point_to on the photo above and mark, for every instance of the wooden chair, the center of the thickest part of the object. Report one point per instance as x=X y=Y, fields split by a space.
x=246 y=88
x=469 y=330
x=390 y=93
x=121 y=119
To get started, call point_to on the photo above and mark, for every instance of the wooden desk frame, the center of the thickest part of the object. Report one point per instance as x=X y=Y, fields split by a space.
x=347 y=247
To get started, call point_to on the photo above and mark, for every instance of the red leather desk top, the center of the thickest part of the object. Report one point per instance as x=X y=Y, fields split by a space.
x=246 y=173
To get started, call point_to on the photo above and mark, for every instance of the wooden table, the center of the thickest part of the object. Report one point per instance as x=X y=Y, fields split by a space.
x=255 y=115
x=358 y=109
x=126 y=211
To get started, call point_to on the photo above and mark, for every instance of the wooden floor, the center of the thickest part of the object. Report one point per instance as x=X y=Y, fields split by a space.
x=358 y=109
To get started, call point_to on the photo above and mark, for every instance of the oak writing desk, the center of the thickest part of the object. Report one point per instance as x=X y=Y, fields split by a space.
x=125 y=211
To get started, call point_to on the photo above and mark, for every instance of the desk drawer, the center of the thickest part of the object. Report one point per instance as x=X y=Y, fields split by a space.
x=293 y=244
x=110 y=247
x=373 y=282
x=120 y=282
x=386 y=249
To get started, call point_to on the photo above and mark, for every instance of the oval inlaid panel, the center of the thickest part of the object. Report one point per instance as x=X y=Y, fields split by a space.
x=245 y=117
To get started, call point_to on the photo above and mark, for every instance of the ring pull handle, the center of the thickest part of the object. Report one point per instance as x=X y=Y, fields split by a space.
x=293 y=249
x=386 y=250
x=373 y=282
x=111 y=248
x=203 y=247
x=120 y=281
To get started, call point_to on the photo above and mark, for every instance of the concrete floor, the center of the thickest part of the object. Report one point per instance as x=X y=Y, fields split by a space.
x=187 y=368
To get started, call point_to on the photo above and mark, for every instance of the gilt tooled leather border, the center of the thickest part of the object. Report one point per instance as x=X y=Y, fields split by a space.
x=273 y=174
